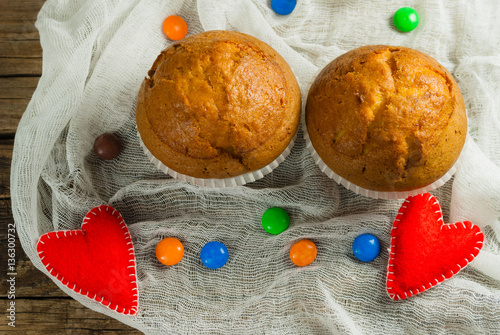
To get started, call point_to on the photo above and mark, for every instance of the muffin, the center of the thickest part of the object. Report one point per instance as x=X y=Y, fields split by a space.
x=218 y=104
x=388 y=119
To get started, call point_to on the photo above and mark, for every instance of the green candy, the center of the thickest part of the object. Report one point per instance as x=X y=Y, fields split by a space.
x=275 y=220
x=406 y=19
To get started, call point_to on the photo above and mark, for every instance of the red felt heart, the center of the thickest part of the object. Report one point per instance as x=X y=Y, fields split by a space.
x=425 y=251
x=97 y=261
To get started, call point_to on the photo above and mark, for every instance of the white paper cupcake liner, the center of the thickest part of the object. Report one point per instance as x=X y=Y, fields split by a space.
x=222 y=182
x=370 y=193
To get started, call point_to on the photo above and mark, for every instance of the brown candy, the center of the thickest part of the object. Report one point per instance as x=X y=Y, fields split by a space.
x=107 y=146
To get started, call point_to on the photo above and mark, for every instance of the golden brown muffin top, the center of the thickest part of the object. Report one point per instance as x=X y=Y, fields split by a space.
x=219 y=94
x=386 y=118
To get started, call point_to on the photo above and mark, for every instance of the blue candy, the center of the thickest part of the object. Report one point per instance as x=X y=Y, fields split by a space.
x=214 y=255
x=283 y=7
x=366 y=247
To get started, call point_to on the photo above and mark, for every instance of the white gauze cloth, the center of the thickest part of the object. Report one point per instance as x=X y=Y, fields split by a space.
x=96 y=54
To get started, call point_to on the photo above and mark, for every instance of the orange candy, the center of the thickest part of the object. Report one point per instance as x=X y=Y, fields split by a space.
x=169 y=251
x=175 y=27
x=303 y=252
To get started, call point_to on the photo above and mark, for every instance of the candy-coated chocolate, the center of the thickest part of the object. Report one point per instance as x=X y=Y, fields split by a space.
x=303 y=252
x=406 y=19
x=214 y=255
x=175 y=27
x=275 y=220
x=107 y=146
x=169 y=251
x=283 y=7
x=366 y=247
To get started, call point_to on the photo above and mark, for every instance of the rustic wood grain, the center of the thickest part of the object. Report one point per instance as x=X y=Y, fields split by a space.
x=18 y=87
x=22 y=10
x=18 y=28
x=41 y=307
x=15 y=94
x=61 y=316
x=20 y=50
x=15 y=48
x=5 y=159
x=11 y=111
x=30 y=281
x=20 y=60
x=20 y=67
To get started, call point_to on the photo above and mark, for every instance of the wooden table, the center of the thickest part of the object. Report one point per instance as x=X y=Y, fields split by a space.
x=40 y=306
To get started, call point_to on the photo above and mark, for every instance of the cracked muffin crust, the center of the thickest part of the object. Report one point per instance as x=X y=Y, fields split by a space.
x=218 y=104
x=386 y=118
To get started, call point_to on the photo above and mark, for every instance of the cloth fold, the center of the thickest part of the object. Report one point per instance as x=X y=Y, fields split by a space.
x=95 y=56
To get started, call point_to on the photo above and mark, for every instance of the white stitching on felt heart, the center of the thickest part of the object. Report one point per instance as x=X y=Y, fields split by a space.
x=438 y=213
x=132 y=268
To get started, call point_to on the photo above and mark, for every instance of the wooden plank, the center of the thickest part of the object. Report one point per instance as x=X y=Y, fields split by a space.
x=20 y=48
x=17 y=67
x=23 y=29
x=25 y=10
x=17 y=18
x=5 y=160
x=11 y=111
x=60 y=316
x=18 y=87
x=15 y=95
x=30 y=282
x=5 y=217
